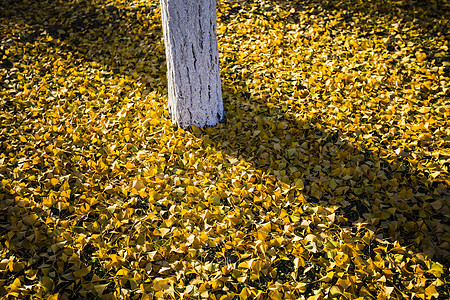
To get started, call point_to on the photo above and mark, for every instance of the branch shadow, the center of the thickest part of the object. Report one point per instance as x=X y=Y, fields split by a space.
x=276 y=141
x=338 y=170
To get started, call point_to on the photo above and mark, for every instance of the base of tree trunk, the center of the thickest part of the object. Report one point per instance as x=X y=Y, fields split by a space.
x=193 y=74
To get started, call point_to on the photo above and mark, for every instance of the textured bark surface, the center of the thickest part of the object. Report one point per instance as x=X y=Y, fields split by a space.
x=193 y=75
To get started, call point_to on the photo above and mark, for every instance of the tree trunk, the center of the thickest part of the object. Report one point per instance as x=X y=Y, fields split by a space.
x=193 y=75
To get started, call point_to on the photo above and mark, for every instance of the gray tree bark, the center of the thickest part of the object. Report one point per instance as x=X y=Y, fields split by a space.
x=193 y=74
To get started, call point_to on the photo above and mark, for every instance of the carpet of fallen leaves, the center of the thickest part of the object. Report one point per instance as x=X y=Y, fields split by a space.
x=329 y=178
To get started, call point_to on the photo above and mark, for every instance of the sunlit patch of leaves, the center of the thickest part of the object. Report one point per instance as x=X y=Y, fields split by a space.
x=328 y=178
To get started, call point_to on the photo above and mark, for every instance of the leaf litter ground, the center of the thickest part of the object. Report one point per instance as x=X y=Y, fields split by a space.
x=329 y=178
